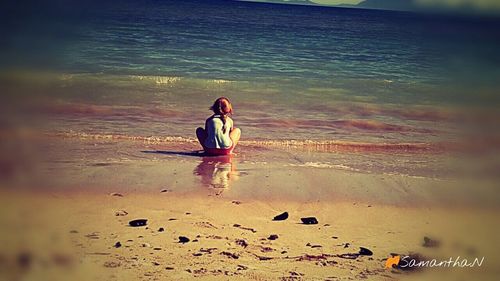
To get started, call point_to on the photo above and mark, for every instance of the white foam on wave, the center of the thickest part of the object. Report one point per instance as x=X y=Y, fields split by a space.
x=159 y=80
x=324 y=166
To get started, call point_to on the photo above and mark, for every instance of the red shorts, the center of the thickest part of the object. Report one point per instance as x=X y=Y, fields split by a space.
x=218 y=151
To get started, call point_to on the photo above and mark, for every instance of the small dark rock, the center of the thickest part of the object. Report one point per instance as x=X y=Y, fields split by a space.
x=138 y=222
x=263 y=258
x=365 y=252
x=164 y=190
x=309 y=220
x=169 y=268
x=281 y=217
x=346 y=245
x=118 y=245
x=157 y=249
x=266 y=249
x=183 y=239
x=241 y=267
x=161 y=229
x=230 y=255
x=242 y=243
x=156 y=263
x=272 y=237
x=116 y=194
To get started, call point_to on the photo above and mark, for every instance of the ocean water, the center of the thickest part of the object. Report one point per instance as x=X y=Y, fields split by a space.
x=152 y=68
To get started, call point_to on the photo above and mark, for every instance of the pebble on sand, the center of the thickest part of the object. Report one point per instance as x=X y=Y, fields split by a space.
x=309 y=220
x=118 y=245
x=365 y=252
x=272 y=237
x=281 y=217
x=242 y=243
x=138 y=222
x=183 y=239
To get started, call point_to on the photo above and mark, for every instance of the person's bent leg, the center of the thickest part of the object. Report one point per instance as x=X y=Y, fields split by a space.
x=235 y=136
x=201 y=135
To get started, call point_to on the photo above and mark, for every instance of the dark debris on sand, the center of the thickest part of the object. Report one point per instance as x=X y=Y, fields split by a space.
x=309 y=220
x=430 y=243
x=230 y=255
x=183 y=239
x=272 y=237
x=244 y=228
x=138 y=222
x=243 y=243
x=365 y=252
x=281 y=217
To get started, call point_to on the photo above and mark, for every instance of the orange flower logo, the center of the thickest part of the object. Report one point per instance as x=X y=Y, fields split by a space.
x=390 y=262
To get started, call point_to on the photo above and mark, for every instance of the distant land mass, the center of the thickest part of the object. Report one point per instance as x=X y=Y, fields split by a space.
x=397 y=5
x=464 y=8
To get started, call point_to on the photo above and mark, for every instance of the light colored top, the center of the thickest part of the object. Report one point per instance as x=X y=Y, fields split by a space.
x=216 y=138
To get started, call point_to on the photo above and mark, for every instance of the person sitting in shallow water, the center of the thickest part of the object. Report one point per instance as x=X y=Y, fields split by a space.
x=219 y=136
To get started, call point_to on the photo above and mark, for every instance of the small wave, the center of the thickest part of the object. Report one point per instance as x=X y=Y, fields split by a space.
x=159 y=80
x=346 y=146
x=116 y=137
x=172 y=80
x=325 y=166
x=307 y=145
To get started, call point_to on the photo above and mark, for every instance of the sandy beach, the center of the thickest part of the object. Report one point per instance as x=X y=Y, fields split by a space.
x=71 y=220
x=369 y=149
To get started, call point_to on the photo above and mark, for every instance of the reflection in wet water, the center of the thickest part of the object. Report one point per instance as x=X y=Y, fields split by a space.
x=217 y=172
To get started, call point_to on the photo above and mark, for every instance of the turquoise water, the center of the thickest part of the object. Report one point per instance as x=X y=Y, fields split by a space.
x=292 y=72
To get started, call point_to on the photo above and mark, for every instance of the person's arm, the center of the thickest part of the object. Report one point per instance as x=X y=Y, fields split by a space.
x=232 y=124
x=206 y=122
